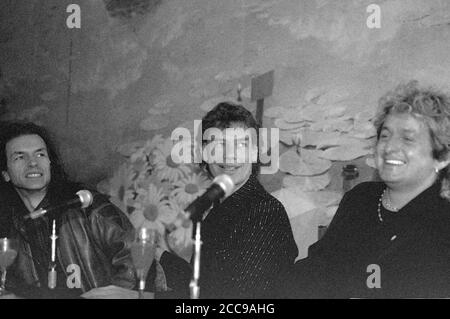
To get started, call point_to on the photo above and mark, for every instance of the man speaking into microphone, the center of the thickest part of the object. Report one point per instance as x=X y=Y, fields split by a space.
x=91 y=256
x=247 y=238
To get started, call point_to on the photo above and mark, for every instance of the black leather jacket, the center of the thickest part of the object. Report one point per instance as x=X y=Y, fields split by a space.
x=94 y=239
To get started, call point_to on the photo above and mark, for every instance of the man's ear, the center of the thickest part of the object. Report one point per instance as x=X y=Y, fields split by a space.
x=6 y=176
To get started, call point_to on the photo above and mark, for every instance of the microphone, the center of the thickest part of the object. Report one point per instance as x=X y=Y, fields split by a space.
x=84 y=200
x=222 y=186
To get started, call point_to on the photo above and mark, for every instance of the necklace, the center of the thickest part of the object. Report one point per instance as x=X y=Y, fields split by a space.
x=380 y=202
x=379 y=206
x=387 y=200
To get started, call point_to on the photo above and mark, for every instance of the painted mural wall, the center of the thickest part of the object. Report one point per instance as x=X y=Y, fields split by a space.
x=136 y=68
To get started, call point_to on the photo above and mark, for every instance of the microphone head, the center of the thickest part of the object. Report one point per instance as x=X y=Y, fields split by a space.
x=86 y=198
x=226 y=183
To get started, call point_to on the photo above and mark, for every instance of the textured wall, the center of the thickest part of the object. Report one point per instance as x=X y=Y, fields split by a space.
x=136 y=68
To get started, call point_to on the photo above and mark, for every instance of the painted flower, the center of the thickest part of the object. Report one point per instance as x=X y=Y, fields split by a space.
x=189 y=188
x=130 y=148
x=141 y=166
x=179 y=237
x=145 y=180
x=144 y=153
x=121 y=187
x=154 y=186
x=152 y=209
x=165 y=165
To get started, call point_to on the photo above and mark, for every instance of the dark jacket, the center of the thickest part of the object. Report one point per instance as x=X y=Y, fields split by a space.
x=410 y=250
x=247 y=245
x=92 y=239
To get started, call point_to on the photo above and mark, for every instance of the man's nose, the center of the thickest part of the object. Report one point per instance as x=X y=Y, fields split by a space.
x=32 y=162
x=392 y=144
x=230 y=153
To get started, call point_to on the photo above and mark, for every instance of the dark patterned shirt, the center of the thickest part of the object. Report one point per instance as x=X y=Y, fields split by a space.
x=247 y=245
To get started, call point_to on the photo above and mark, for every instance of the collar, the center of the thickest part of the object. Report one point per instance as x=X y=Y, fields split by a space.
x=248 y=190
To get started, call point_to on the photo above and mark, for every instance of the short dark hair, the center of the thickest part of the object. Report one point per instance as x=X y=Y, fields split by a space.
x=11 y=130
x=223 y=115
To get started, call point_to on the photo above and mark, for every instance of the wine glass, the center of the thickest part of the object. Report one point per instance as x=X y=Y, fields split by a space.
x=143 y=249
x=8 y=252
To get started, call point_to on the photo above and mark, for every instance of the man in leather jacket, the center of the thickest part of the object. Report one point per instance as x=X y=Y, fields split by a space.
x=92 y=257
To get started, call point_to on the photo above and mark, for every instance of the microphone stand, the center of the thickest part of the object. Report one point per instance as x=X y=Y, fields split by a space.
x=52 y=265
x=194 y=284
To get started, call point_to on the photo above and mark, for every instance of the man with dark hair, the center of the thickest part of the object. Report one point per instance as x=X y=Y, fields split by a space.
x=92 y=258
x=247 y=239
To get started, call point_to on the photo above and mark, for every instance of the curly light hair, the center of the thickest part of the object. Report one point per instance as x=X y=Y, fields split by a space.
x=430 y=106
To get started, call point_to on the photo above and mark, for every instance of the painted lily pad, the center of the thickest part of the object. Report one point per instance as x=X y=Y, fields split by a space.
x=294 y=115
x=312 y=138
x=334 y=95
x=275 y=111
x=307 y=183
x=283 y=125
x=287 y=137
x=306 y=164
x=363 y=129
x=345 y=152
x=332 y=125
x=335 y=111
x=342 y=140
x=314 y=93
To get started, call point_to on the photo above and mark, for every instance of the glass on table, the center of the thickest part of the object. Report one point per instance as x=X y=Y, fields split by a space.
x=143 y=248
x=8 y=253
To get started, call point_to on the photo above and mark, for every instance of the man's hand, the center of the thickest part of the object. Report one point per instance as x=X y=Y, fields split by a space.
x=161 y=246
x=114 y=292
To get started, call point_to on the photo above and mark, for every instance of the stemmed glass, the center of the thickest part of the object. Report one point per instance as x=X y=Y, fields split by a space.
x=8 y=252
x=143 y=253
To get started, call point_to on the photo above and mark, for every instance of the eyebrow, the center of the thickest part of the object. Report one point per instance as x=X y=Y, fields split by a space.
x=409 y=131
x=35 y=151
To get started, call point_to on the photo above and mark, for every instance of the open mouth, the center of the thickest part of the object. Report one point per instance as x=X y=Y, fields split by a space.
x=394 y=162
x=33 y=175
x=229 y=168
